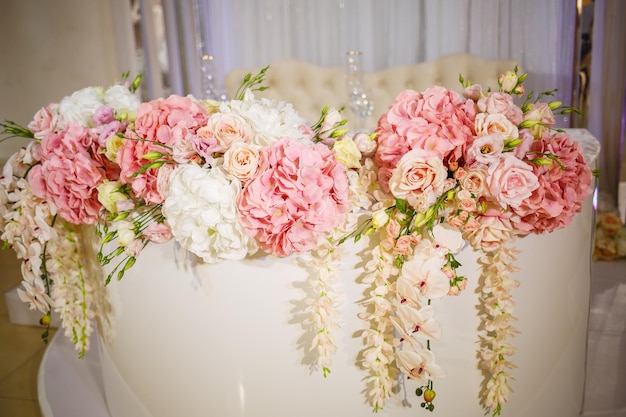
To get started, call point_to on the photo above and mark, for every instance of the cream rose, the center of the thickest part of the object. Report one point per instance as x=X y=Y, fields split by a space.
x=227 y=128
x=241 y=161
x=419 y=178
x=486 y=123
x=474 y=181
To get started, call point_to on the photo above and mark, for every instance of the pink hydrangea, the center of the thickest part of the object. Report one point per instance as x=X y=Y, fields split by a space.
x=561 y=192
x=68 y=175
x=300 y=194
x=436 y=120
x=159 y=122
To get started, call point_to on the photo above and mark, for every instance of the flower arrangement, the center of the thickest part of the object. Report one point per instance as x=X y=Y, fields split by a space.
x=226 y=180
x=610 y=232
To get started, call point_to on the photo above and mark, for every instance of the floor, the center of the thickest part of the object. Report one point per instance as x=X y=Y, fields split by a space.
x=21 y=351
x=21 y=348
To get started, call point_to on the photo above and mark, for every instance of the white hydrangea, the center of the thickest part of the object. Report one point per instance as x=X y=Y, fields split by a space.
x=201 y=210
x=121 y=99
x=79 y=107
x=270 y=120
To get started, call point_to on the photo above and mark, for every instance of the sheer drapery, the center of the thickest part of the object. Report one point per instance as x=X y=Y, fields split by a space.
x=250 y=34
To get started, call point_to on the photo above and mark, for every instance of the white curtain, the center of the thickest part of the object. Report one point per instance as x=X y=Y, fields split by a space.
x=253 y=33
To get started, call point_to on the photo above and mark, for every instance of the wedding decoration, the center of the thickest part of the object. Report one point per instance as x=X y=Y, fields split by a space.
x=227 y=180
x=610 y=232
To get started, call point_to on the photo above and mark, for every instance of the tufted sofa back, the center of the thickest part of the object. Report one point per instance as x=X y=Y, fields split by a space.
x=310 y=87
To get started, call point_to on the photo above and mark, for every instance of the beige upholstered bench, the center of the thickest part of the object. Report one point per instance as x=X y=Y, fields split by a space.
x=311 y=87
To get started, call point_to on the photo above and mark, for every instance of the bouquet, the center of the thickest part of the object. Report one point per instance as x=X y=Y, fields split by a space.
x=228 y=179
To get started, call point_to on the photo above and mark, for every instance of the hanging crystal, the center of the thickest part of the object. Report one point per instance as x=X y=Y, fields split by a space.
x=360 y=104
x=208 y=82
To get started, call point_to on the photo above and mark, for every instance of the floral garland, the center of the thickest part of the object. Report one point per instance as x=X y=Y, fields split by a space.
x=452 y=169
x=226 y=180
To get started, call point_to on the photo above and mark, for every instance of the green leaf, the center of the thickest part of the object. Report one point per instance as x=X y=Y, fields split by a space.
x=401 y=205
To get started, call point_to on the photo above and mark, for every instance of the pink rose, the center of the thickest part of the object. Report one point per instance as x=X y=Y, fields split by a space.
x=158 y=233
x=473 y=92
x=300 y=195
x=103 y=115
x=468 y=204
x=45 y=121
x=511 y=181
x=418 y=178
x=502 y=103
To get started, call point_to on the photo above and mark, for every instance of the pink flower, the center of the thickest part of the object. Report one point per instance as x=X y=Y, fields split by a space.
x=511 y=181
x=418 y=178
x=45 y=121
x=494 y=229
x=475 y=181
x=562 y=191
x=486 y=124
x=543 y=115
x=299 y=195
x=437 y=120
x=68 y=175
x=485 y=149
x=159 y=122
x=158 y=232
x=502 y=103
x=226 y=129
x=103 y=115
x=168 y=120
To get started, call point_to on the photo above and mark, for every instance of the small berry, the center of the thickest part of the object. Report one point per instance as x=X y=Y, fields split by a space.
x=45 y=320
x=429 y=395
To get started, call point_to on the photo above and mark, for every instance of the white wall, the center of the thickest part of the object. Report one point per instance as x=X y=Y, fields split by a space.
x=48 y=49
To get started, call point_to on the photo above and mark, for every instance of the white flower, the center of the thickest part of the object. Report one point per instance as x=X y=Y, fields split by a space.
x=423 y=276
x=79 y=107
x=417 y=322
x=202 y=212
x=486 y=149
x=121 y=99
x=109 y=193
x=447 y=238
x=419 y=364
x=35 y=295
x=125 y=233
x=270 y=120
